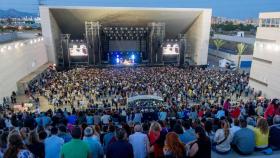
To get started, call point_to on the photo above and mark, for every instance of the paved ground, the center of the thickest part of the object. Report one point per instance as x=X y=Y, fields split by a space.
x=276 y=154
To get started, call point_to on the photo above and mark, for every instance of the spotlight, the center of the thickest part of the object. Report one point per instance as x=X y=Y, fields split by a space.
x=132 y=56
x=2 y=50
x=9 y=47
x=31 y=41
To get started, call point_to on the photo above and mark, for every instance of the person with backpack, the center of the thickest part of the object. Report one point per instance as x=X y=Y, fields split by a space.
x=222 y=139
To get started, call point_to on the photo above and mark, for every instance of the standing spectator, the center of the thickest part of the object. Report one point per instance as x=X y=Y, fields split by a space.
x=173 y=147
x=16 y=148
x=93 y=143
x=109 y=137
x=140 y=143
x=121 y=148
x=35 y=146
x=261 y=132
x=200 y=148
x=222 y=139
x=137 y=117
x=62 y=133
x=272 y=110
x=53 y=144
x=244 y=140
x=154 y=137
x=105 y=119
x=227 y=105
x=76 y=148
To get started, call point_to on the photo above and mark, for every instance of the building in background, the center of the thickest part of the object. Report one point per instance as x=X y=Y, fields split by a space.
x=265 y=71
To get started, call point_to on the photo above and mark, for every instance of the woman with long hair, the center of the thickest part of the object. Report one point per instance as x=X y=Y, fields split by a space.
x=173 y=147
x=223 y=138
x=261 y=132
x=35 y=146
x=16 y=148
x=200 y=148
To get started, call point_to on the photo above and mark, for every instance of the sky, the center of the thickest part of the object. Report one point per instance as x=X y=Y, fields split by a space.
x=238 y=9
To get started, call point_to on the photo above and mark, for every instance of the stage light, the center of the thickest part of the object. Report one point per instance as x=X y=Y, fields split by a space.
x=9 y=47
x=16 y=45
x=133 y=57
x=31 y=41
x=2 y=50
x=118 y=60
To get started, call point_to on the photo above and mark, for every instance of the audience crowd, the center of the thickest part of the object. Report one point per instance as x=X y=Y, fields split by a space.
x=207 y=110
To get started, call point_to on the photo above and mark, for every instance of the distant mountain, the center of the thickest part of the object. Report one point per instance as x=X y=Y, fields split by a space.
x=12 y=13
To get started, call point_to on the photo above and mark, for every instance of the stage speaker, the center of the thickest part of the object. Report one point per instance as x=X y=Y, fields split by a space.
x=65 y=49
x=90 y=55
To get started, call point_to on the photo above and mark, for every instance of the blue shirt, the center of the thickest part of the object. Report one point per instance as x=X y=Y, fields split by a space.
x=53 y=146
x=72 y=119
x=187 y=136
x=89 y=120
x=162 y=115
x=94 y=146
x=107 y=138
x=244 y=139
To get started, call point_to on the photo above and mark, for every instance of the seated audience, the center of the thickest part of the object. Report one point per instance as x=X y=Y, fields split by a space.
x=16 y=148
x=173 y=147
x=274 y=133
x=200 y=148
x=222 y=139
x=243 y=140
x=261 y=134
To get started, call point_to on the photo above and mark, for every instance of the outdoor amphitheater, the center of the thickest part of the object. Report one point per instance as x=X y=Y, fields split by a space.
x=129 y=82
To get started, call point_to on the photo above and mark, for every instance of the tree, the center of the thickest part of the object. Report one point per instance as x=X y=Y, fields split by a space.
x=218 y=43
x=241 y=47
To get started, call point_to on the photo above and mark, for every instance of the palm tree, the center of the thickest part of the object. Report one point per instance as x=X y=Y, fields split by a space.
x=241 y=47
x=218 y=43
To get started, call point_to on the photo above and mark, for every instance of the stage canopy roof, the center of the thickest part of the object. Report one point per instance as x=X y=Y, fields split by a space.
x=71 y=19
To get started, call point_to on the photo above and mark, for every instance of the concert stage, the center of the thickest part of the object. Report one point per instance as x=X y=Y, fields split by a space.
x=100 y=36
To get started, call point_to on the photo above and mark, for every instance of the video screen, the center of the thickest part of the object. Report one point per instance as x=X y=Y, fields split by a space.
x=78 y=50
x=170 y=49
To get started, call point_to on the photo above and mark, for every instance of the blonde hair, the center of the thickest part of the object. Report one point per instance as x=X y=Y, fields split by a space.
x=262 y=125
x=225 y=126
x=155 y=127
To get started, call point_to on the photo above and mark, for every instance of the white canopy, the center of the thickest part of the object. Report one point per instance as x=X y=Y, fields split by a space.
x=144 y=97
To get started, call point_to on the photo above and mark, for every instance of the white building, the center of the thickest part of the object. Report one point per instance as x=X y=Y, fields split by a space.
x=265 y=71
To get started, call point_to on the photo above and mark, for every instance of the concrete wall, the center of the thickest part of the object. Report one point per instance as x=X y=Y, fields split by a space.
x=15 y=63
x=51 y=33
x=198 y=36
x=228 y=56
x=265 y=71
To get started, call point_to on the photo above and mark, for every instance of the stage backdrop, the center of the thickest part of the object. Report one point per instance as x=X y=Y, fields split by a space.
x=124 y=45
